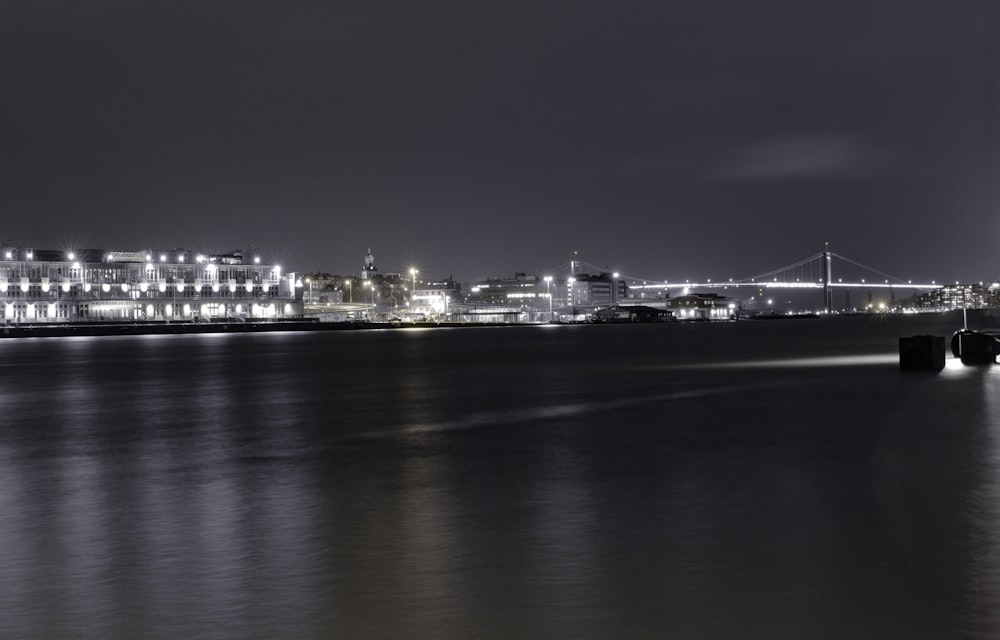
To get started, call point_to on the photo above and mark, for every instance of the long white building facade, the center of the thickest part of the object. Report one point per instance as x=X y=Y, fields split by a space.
x=94 y=285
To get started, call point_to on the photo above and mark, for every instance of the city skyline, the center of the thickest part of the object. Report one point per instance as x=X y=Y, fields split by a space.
x=697 y=141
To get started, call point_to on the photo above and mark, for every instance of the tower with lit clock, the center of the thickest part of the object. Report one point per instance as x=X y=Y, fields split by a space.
x=368 y=270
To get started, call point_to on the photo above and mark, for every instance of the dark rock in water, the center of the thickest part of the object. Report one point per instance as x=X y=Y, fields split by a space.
x=974 y=347
x=955 y=341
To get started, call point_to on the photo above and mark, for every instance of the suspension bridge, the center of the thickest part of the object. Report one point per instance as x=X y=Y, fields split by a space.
x=815 y=272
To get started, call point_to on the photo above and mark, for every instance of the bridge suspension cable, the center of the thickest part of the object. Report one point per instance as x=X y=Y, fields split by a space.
x=804 y=261
x=863 y=266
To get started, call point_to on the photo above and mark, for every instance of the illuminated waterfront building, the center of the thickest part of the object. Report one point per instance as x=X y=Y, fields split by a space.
x=598 y=290
x=505 y=291
x=93 y=285
x=969 y=296
x=534 y=298
x=701 y=306
x=436 y=299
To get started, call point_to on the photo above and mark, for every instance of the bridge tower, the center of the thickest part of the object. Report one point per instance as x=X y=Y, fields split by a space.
x=827 y=278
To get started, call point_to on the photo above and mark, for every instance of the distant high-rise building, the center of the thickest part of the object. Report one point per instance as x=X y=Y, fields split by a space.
x=598 y=290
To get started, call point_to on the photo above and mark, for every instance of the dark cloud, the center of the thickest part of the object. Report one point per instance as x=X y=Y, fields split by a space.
x=484 y=138
x=802 y=157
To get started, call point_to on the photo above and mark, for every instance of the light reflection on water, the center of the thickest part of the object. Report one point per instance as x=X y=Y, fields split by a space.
x=578 y=482
x=792 y=363
x=549 y=412
x=984 y=516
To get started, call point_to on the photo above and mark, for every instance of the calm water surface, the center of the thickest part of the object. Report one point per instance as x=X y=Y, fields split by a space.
x=760 y=479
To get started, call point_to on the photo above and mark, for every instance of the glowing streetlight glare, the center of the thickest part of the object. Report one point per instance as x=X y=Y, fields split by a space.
x=548 y=293
x=371 y=285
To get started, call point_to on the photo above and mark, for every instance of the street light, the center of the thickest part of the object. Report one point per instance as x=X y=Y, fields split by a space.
x=572 y=296
x=310 y=283
x=350 y=298
x=548 y=293
x=614 y=288
x=413 y=290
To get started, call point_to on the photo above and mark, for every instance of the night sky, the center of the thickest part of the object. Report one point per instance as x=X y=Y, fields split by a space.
x=666 y=140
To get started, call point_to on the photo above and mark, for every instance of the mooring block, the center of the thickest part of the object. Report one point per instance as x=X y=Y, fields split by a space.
x=976 y=348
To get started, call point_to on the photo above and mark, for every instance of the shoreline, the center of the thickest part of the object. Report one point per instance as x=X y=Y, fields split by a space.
x=97 y=329
x=137 y=328
x=60 y=330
